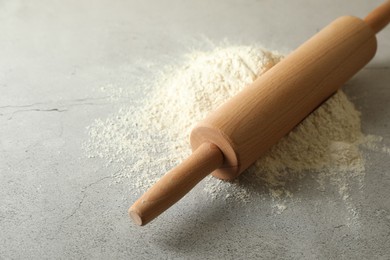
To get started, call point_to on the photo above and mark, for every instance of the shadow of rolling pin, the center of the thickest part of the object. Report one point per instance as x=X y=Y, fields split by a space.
x=234 y=136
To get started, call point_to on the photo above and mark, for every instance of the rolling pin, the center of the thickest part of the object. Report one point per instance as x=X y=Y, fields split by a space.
x=234 y=136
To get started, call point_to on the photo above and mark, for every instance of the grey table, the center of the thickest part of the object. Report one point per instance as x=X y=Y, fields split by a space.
x=57 y=204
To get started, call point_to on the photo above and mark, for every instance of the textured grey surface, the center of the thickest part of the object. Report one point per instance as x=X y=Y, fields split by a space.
x=57 y=204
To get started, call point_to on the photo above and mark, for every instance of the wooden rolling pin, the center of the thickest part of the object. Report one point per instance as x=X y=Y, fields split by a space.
x=235 y=135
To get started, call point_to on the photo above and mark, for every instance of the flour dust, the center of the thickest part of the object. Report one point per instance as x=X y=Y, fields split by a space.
x=142 y=142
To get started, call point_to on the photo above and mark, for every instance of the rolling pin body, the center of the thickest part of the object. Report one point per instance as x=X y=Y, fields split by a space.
x=246 y=126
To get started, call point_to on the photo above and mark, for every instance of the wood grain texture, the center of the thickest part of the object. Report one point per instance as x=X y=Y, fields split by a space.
x=251 y=122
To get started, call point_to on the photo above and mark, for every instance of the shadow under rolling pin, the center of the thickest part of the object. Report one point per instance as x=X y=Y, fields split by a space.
x=231 y=138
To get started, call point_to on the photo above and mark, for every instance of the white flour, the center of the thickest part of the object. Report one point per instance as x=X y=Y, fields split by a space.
x=144 y=141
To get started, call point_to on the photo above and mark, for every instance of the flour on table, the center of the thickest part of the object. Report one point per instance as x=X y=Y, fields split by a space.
x=142 y=142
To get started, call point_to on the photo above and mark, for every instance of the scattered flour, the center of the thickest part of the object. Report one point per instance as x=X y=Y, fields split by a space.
x=142 y=142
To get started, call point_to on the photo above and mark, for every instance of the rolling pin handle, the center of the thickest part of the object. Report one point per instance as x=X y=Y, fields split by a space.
x=379 y=17
x=176 y=183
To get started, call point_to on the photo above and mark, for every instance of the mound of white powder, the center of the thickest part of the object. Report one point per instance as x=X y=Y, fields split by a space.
x=144 y=141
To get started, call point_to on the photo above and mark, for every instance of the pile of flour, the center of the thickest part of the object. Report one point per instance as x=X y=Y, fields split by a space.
x=145 y=140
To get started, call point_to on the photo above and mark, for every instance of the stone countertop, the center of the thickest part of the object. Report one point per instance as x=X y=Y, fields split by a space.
x=55 y=203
